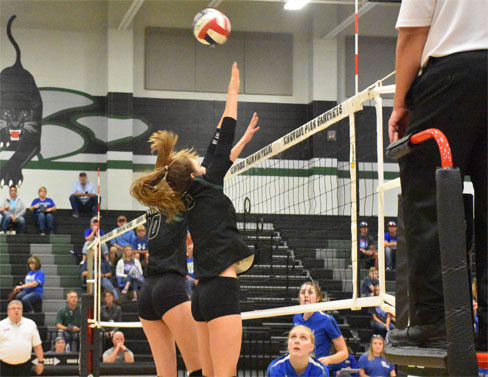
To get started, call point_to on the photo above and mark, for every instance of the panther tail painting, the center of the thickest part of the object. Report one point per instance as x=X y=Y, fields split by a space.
x=20 y=117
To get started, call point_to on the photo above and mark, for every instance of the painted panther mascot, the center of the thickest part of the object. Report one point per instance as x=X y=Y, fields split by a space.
x=20 y=118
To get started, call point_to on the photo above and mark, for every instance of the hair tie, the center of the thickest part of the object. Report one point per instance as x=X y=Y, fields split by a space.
x=166 y=169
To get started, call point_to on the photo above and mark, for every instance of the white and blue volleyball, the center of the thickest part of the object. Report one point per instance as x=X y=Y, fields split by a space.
x=211 y=26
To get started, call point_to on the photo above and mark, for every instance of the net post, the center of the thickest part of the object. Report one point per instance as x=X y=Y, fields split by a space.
x=354 y=206
x=381 y=193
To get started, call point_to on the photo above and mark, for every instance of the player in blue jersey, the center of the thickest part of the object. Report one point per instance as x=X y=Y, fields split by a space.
x=324 y=326
x=372 y=363
x=298 y=362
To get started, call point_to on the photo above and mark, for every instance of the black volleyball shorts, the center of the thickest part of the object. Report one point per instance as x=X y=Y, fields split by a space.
x=160 y=294
x=215 y=297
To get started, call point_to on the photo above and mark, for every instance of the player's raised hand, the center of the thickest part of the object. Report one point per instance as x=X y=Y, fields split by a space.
x=251 y=129
x=234 y=82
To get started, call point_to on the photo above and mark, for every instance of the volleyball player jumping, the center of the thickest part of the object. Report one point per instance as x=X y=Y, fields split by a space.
x=164 y=307
x=219 y=251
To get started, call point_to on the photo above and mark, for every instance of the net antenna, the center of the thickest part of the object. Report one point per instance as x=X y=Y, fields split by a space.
x=247 y=179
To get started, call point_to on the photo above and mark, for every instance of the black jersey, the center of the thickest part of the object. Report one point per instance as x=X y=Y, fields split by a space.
x=212 y=219
x=166 y=243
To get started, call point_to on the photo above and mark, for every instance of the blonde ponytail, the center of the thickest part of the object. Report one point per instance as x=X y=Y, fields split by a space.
x=163 y=187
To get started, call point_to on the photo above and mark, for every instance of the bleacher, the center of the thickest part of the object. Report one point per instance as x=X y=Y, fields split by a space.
x=289 y=250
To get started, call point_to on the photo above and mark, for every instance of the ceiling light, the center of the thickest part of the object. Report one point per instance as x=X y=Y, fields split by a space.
x=295 y=4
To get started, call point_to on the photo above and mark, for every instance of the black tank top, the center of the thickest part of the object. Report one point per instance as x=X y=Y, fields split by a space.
x=212 y=220
x=166 y=243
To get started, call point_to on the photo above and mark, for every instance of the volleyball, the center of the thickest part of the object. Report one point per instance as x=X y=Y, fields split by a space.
x=211 y=26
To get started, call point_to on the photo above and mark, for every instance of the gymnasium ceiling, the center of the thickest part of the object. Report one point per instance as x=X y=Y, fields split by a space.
x=323 y=18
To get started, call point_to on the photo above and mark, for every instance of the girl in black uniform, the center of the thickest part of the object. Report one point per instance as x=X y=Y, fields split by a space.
x=219 y=251
x=164 y=307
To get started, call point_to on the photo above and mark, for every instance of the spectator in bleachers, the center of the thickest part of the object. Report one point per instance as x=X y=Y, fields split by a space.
x=346 y=368
x=18 y=336
x=59 y=346
x=110 y=312
x=323 y=325
x=106 y=272
x=474 y=291
x=372 y=363
x=30 y=293
x=119 y=353
x=298 y=361
x=129 y=273
x=139 y=245
x=190 y=280
x=391 y=246
x=118 y=243
x=68 y=320
x=13 y=210
x=370 y=282
x=83 y=196
x=381 y=321
x=368 y=253
x=43 y=208
x=91 y=234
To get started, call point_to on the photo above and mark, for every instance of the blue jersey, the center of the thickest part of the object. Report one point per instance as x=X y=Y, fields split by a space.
x=104 y=266
x=390 y=238
x=125 y=239
x=324 y=328
x=35 y=276
x=350 y=362
x=43 y=204
x=378 y=367
x=138 y=244
x=281 y=367
x=89 y=230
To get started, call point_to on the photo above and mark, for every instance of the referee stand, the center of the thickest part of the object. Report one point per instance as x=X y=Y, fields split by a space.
x=460 y=358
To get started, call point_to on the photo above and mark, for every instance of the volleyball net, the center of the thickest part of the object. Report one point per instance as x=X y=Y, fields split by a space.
x=331 y=167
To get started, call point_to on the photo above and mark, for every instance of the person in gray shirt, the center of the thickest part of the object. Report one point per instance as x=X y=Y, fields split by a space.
x=119 y=353
x=12 y=211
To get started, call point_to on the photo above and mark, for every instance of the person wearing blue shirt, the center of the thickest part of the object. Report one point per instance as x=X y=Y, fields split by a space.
x=381 y=321
x=106 y=272
x=139 y=245
x=83 y=196
x=346 y=368
x=298 y=362
x=118 y=243
x=43 y=208
x=91 y=234
x=31 y=291
x=324 y=326
x=391 y=245
x=372 y=363
x=370 y=282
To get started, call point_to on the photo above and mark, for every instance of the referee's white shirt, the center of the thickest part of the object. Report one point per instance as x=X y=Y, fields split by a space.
x=17 y=340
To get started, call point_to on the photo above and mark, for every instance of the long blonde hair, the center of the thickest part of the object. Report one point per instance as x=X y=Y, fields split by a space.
x=163 y=187
x=370 y=351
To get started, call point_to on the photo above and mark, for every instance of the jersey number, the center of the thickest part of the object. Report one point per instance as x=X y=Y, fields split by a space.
x=153 y=227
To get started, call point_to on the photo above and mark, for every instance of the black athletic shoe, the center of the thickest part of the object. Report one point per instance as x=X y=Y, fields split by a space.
x=425 y=336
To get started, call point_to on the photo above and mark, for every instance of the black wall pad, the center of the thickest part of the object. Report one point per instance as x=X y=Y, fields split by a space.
x=457 y=304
